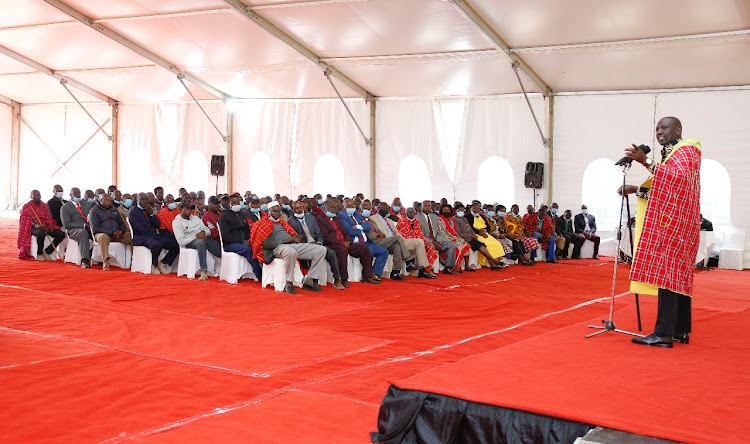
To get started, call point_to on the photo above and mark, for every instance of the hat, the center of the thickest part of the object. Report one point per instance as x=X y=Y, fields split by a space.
x=273 y=204
x=213 y=200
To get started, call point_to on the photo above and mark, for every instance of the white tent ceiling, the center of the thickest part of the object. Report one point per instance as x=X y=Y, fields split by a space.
x=391 y=48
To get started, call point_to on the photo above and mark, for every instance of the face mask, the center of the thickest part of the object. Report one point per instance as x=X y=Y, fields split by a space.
x=584 y=211
x=474 y=214
x=236 y=208
x=460 y=213
x=501 y=213
x=128 y=203
x=263 y=207
x=172 y=206
x=59 y=194
x=118 y=202
x=447 y=215
x=221 y=207
x=396 y=208
x=491 y=213
x=75 y=199
x=255 y=210
x=242 y=205
x=286 y=207
x=321 y=201
x=554 y=211
x=410 y=219
x=350 y=211
x=299 y=215
x=140 y=207
x=366 y=213
x=112 y=193
x=329 y=214
x=383 y=213
x=99 y=196
x=90 y=200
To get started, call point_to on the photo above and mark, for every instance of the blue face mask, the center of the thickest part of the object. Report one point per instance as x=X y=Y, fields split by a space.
x=366 y=213
x=501 y=214
x=221 y=207
x=396 y=208
x=242 y=205
x=75 y=199
x=460 y=213
x=128 y=203
x=329 y=214
x=172 y=206
x=491 y=213
x=584 y=211
x=286 y=207
x=263 y=207
x=90 y=200
x=118 y=202
x=140 y=207
x=554 y=211
x=255 y=210
x=350 y=211
x=321 y=201
x=474 y=214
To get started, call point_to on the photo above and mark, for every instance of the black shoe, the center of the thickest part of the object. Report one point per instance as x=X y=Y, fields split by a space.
x=564 y=257
x=85 y=263
x=290 y=289
x=411 y=266
x=423 y=274
x=682 y=338
x=552 y=261
x=530 y=262
x=311 y=286
x=652 y=339
x=345 y=283
x=596 y=258
x=397 y=276
x=370 y=280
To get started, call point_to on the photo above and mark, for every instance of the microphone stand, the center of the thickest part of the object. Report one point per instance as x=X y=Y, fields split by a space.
x=609 y=324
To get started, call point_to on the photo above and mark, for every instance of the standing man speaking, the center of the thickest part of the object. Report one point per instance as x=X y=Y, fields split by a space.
x=667 y=231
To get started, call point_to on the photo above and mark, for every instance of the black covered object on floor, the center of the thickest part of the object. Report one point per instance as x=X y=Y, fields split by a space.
x=409 y=416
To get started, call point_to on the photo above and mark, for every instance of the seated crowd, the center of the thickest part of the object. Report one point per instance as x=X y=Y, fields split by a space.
x=310 y=229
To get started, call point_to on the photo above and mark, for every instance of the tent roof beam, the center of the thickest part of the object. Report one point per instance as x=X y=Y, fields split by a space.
x=136 y=48
x=493 y=37
x=297 y=46
x=63 y=79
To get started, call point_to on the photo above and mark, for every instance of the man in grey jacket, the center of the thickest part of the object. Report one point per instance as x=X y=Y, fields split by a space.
x=191 y=232
x=108 y=226
x=430 y=223
x=72 y=215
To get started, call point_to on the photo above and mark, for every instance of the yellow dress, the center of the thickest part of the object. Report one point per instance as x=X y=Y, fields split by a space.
x=493 y=245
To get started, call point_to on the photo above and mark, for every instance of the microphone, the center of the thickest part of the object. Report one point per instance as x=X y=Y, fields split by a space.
x=626 y=161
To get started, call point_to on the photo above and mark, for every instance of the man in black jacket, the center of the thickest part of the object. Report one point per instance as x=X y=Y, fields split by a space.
x=55 y=203
x=235 y=233
x=108 y=226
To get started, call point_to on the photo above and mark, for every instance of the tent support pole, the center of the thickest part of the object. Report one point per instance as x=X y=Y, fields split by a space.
x=230 y=151
x=115 y=144
x=373 y=145
x=550 y=104
x=64 y=82
x=15 y=153
x=327 y=73
x=181 y=78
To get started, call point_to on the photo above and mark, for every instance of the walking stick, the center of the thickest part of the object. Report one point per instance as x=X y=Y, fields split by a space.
x=51 y=241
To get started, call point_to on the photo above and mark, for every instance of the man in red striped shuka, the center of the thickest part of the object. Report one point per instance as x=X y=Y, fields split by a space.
x=667 y=231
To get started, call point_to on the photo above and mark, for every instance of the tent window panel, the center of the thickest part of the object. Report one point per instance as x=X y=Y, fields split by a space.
x=601 y=179
x=328 y=176
x=716 y=192
x=195 y=171
x=414 y=183
x=261 y=175
x=495 y=182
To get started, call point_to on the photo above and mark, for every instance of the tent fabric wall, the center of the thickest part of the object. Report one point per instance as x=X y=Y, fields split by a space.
x=6 y=121
x=63 y=129
x=590 y=127
x=156 y=140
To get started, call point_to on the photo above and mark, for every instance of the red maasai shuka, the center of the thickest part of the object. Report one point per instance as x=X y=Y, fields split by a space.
x=531 y=224
x=166 y=217
x=28 y=219
x=405 y=228
x=462 y=247
x=261 y=230
x=671 y=229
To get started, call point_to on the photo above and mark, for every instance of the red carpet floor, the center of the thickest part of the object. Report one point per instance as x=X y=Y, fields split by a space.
x=89 y=356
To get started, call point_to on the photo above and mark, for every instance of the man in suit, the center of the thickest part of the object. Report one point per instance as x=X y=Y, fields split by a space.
x=253 y=213
x=383 y=232
x=336 y=238
x=73 y=215
x=357 y=230
x=416 y=257
x=56 y=203
x=306 y=225
x=566 y=234
x=430 y=227
x=145 y=225
x=585 y=225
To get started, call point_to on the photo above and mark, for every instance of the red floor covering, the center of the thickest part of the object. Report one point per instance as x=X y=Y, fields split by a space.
x=88 y=356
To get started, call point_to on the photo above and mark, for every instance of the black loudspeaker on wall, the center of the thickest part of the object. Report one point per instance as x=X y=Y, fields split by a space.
x=217 y=165
x=534 y=175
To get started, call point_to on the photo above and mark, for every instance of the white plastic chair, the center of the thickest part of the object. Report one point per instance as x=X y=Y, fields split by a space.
x=355 y=269
x=233 y=266
x=273 y=274
x=72 y=252
x=189 y=265
x=473 y=261
x=141 y=260
x=389 y=267
x=61 y=248
x=120 y=255
x=732 y=252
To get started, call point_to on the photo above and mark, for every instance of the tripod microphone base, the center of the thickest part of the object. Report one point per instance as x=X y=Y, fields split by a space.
x=610 y=326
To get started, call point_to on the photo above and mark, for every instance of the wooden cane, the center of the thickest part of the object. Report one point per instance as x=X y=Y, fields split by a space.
x=51 y=241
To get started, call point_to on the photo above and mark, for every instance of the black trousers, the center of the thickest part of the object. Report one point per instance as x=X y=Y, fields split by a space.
x=56 y=235
x=674 y=313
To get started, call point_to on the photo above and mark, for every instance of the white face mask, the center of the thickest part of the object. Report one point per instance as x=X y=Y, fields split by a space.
x=236 y=208
x=59 y=194
x=299 y=215
x=273 y=219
